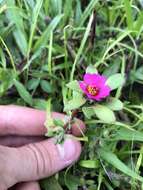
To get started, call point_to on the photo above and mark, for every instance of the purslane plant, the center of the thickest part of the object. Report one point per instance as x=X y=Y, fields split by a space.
x=92 y=97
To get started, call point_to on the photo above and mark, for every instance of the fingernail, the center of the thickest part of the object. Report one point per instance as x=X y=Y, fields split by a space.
x=67 y=150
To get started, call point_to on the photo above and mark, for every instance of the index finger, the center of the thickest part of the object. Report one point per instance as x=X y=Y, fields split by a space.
x=18 y=120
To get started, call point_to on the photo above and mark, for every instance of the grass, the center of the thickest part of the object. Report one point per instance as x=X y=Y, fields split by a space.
x=44 y=44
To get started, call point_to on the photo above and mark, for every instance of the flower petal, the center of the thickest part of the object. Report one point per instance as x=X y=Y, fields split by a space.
x=90 y=78
x=83 y=86
x=93 y=97
x=104 y=91
x=98 y=81
x=94 y=79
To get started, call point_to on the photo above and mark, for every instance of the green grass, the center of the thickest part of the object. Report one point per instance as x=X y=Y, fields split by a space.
x=45 y=44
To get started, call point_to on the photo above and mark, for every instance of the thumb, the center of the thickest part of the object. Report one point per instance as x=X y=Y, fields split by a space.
x=43 y=159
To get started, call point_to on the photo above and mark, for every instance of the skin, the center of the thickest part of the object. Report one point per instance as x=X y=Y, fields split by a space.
x=25 y=155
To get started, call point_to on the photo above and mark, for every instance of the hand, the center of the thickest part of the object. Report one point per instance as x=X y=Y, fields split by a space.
x=24 y=154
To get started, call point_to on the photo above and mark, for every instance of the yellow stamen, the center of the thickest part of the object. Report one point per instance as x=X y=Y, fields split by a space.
x=92 y=90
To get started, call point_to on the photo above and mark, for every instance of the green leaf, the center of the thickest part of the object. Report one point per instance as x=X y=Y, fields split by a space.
x=78 y=12
x=75 y=103
x=104 y=113
x=51 y=184
x=89 y=163
x=82 y=46
x=21 y=41
x=91 y=69
x=139 y=22
x=39 y=104
x=67 y=10
x=74 y=85
x=138 y=74
x=43 y=39
x=33 y=84
x=115 y=81
x=113 y=67
x=6 y=80
x=46 y=86
x=2 y=58
x=114 y=104
x=58 y=122
x=112 y=159
x=72 y=182
x=128 y=135
x=88 y=112
x=24 y=94
x=14 y=15
x=34 y=20
x=56 y=7
x=87 y=11
x=129 y=17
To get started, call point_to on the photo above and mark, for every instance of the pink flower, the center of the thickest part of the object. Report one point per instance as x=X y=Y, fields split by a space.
x=94 y=86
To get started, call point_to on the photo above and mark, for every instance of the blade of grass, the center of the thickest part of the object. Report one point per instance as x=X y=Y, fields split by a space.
x=80 y=50
x=139 y=22
x=35 y=15
x=112 y=159
x=87 y=12
x=3 y=58
x=9 y=53
x=42 y=41
x=24 y=94
x=120 y=38
x=129 y=17
x=13 y=13
x=50 y=54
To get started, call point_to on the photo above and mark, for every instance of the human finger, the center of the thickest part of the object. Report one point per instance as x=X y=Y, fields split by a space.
x=28 y=186
x=36 y=161
x=17 y=141
x=18 y=120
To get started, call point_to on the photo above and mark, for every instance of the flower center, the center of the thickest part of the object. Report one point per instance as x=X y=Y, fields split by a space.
x=93 y=90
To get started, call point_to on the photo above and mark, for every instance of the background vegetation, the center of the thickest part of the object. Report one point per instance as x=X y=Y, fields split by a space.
x=46 y=43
